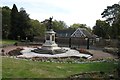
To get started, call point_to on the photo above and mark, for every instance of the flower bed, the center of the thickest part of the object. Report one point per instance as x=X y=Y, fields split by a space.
x=81 y=50
x=111 y=50
x=97 y=75
x=15 y=52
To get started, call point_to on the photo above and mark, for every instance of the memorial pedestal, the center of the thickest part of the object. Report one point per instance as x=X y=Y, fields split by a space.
x=50 y=41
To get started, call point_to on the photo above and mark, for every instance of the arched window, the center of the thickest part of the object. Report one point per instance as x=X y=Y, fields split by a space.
x=47 y=37
x=53 y=38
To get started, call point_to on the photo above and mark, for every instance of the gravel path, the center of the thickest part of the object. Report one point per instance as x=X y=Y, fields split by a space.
x=98 y=54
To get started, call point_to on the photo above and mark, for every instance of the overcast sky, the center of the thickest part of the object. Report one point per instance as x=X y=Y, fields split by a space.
x=69 y=11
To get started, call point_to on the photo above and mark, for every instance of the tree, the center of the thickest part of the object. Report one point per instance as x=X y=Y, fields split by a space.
x=23 y=24
x=101 y=29
x=59 y=25
x=56 y=25
x=5 y=21
x=77 y=25
x=111 y=13
x=14 y=23
x=37 y=29
x=19 y=23
x=115 y=28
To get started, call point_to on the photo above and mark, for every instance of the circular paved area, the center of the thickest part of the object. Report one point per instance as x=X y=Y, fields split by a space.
x=27 y=53
x=97 y=54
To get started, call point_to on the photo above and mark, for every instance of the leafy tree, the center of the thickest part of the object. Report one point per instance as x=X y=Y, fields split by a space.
x=14 y=23
x=5 y=21
x=59 y=25
x=115 y=28
x=101 y=29
x=56 y=25
x=111 y=13
x=77 y=25
x=23 y=24
x=37 y=29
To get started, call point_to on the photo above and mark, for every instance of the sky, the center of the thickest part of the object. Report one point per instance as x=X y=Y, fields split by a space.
x=69 y=11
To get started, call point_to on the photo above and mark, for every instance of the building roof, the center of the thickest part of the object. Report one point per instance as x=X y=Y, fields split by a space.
x=80 y=32
x=64 y=33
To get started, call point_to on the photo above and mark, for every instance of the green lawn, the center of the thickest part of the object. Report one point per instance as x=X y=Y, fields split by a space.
x=8 y=41
x=16 y=68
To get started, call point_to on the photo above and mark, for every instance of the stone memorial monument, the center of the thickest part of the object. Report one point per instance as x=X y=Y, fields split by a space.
x=50 y=38
x=50 y=48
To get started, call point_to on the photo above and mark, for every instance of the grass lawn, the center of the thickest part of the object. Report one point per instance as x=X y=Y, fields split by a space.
x=16 y=68
x=8 y=41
